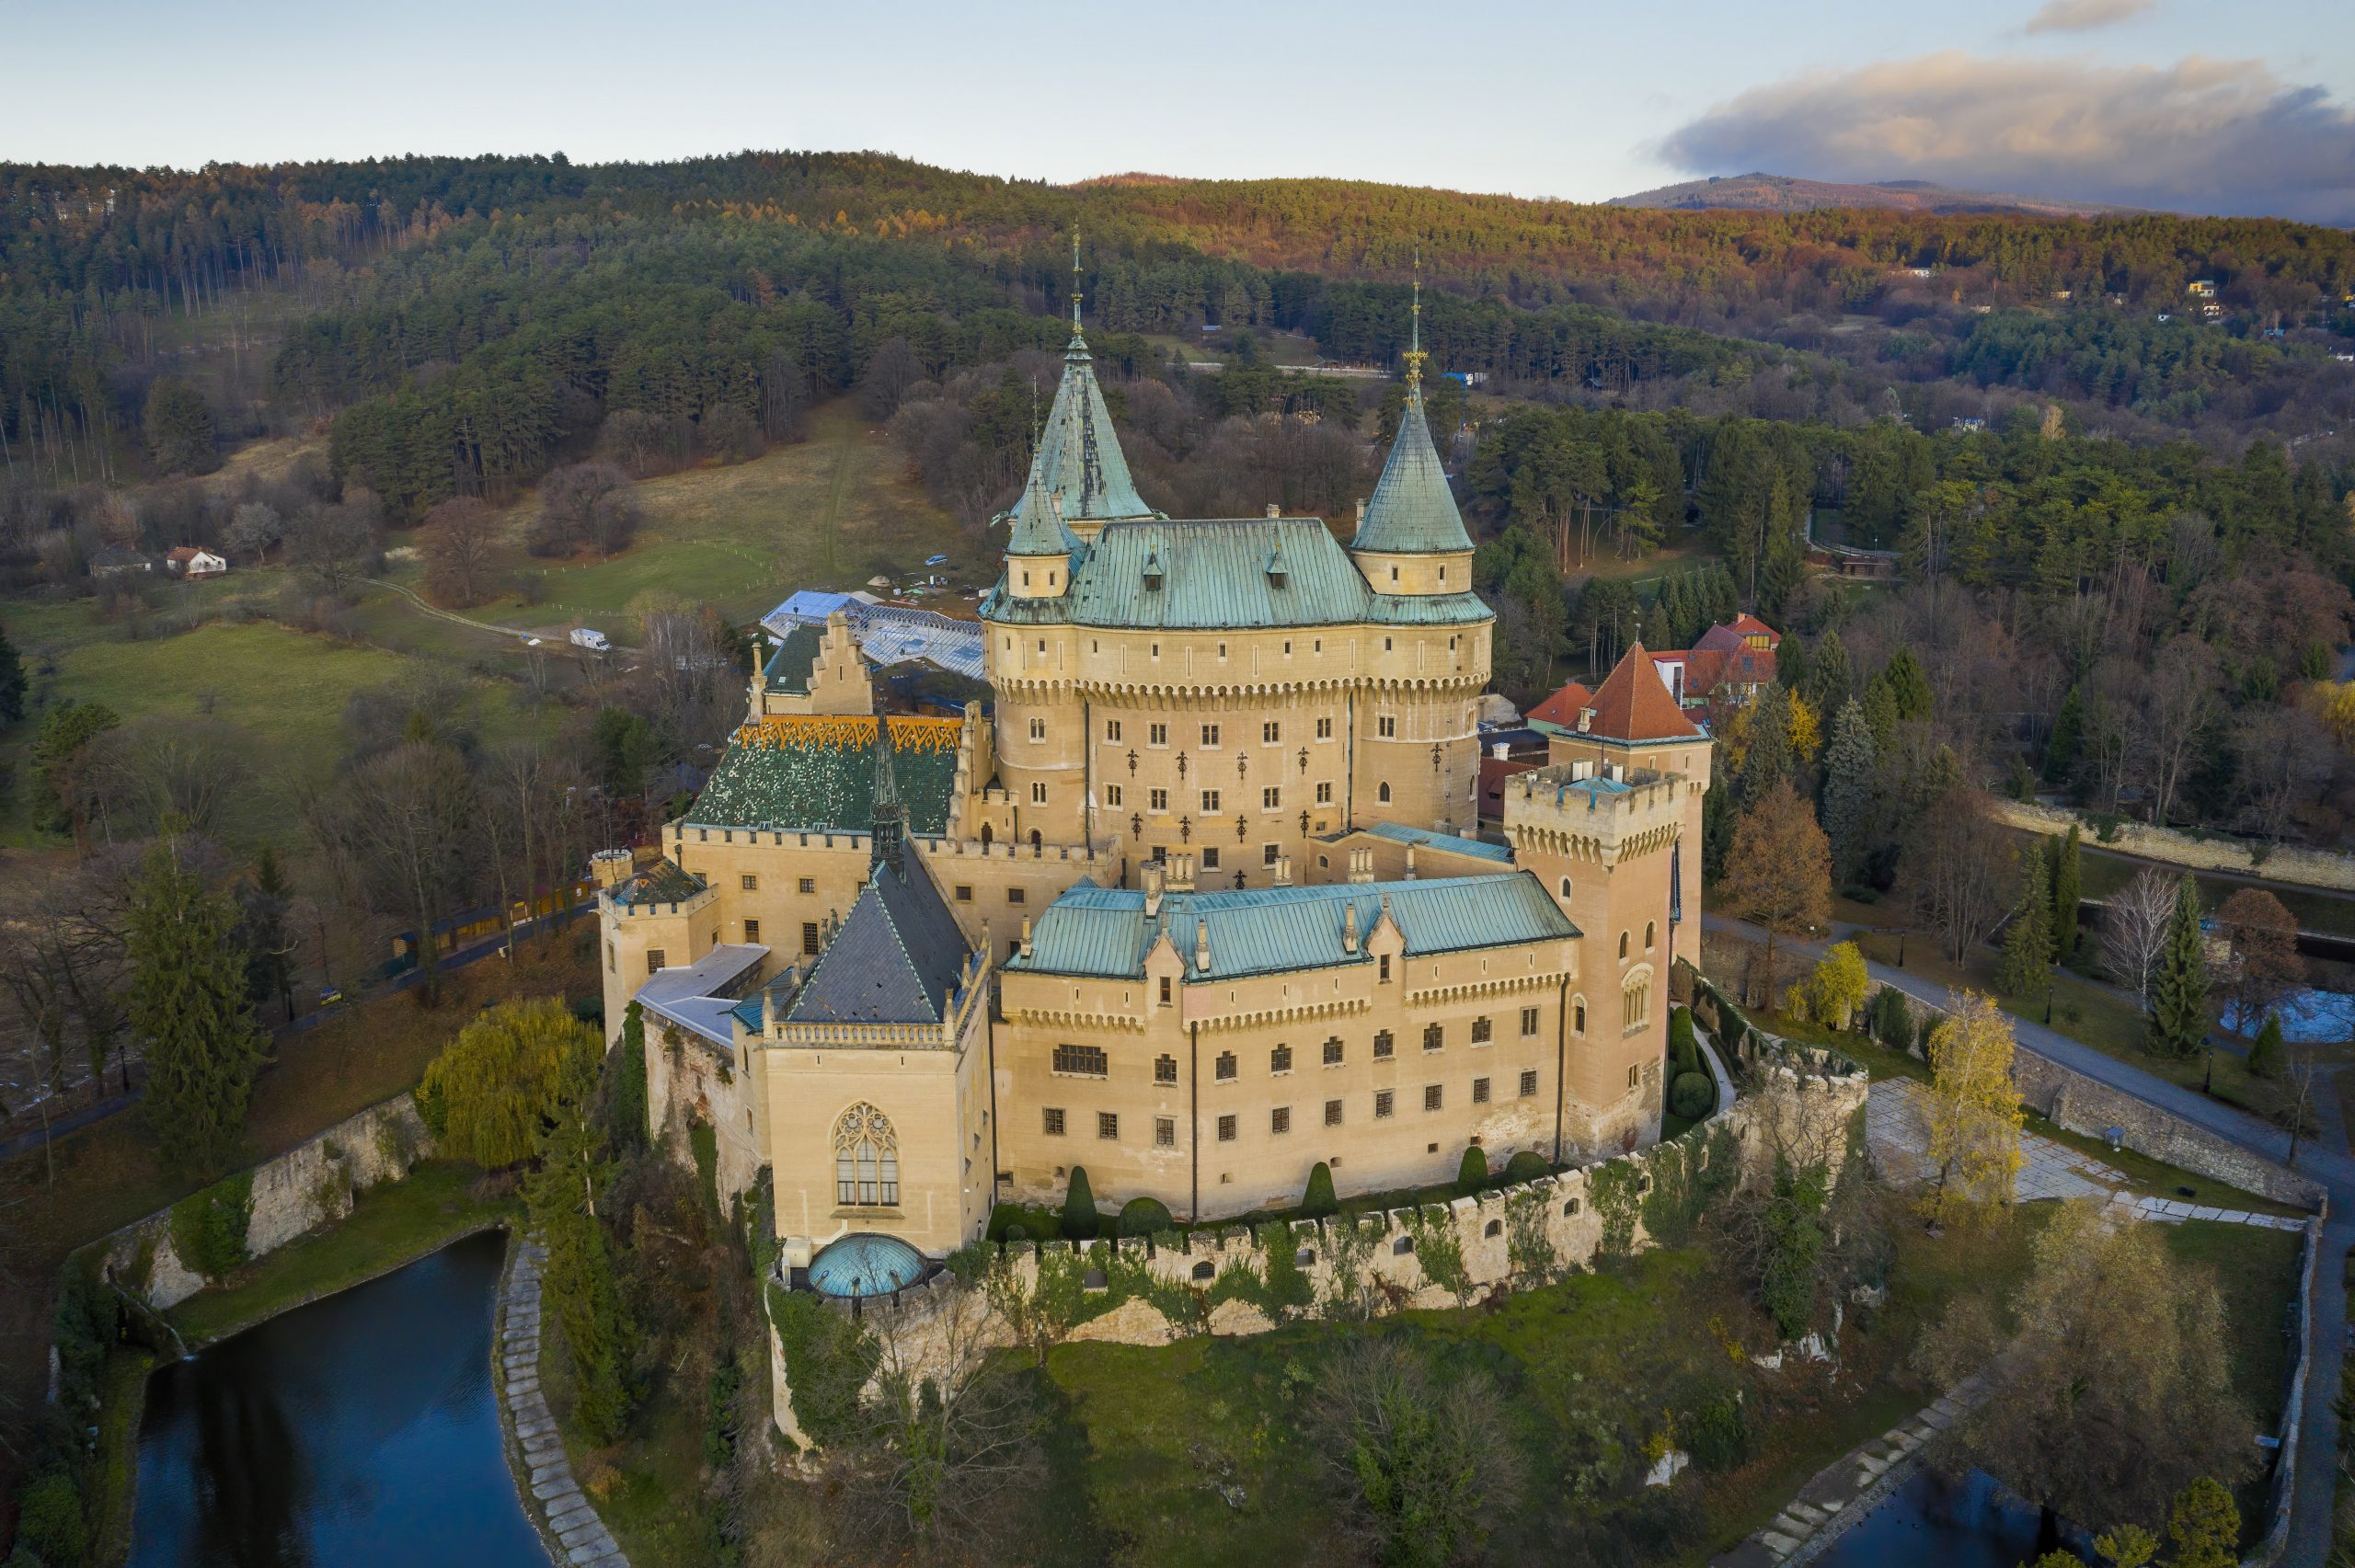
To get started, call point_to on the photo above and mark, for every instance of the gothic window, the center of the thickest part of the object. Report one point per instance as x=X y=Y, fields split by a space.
x=1651 y=932
x=1623 y=947
x=1384 y=794
x=867 y=1159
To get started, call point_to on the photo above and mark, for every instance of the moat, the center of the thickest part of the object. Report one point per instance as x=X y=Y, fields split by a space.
x=360 y=1430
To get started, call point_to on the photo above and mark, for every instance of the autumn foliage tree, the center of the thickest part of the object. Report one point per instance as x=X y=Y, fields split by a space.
x=1778 y=875
x=1973 y=1111
x=461 y=544
x=488 y=1096
x=2262 y=938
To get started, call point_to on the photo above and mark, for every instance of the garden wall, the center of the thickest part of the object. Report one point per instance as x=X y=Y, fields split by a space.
x=2308 y=868
x=2072 y=1099
x=308 y=1186
x=1244 y=1280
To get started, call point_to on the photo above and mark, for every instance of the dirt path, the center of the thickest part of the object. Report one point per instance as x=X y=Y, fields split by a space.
x=453 y=616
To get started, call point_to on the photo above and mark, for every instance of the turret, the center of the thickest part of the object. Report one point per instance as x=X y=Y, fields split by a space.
x=1411 y=538
x=1041 y=548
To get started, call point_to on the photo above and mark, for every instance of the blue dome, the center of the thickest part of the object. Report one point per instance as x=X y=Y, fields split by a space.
x=865 y=1264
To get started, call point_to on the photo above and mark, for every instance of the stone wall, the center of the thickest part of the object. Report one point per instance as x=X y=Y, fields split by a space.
x=1377 y=1259
x=2311 y=868
x=2069 y=1099
x=310 y=1184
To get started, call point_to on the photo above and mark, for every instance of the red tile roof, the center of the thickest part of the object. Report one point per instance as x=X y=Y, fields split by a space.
x=1634 y=704
x=1563 y=706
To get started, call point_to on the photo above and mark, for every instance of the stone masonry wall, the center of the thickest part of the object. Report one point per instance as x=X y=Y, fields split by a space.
x=308 y=1186
x=2082 y=1105
x=2311 y=868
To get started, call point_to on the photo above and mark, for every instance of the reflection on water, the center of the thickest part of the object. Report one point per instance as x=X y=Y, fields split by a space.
x=1955 y=1521
x=360 y=1430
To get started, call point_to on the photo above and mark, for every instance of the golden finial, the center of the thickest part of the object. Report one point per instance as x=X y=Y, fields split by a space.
x=1415 y=355
x=1075 y=278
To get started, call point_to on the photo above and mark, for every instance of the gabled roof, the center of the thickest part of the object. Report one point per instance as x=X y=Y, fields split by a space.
x=1104 y=932
x=700 y=996
x=1634 y=704
x=1079 y=460
x=1563 y=706
x=1413 y=510
x=896 y=958
x=795 y=772
x=788 y=668
x=1737 y=633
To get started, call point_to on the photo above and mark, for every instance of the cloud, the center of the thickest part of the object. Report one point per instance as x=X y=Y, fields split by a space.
x=2200 y=136
x=2085 y=15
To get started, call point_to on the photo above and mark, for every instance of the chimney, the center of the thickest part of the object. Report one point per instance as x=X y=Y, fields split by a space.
x=1499 y=749
x=611 y=869
x=1182 y=874
x=1586 y=720
x=1360 y=865
x=1283 y=871
x=1410 y=863
x=1274 y=510
x=1202 y=945
x=1152 y=884
x=1349 y=927
x=1026 y=936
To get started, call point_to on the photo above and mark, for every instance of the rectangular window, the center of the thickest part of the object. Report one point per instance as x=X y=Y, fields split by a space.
x=1528 y=1020
x=1324 y=730
x=1108 y=1124
x=1633 y=1073
x=1165 y=1069
x=1016 y=896
x=1280 y=1120
x=1209 y=857
x=751 y=884
x=807 y=885
x=1384 y=1102
x=1385 y=725
x=1479 y=1091
x=1528 y=1082
x=1272 y=798
x=1580 y=1017
x=1111 y=795
x=1165 y=1132
x=1434 y=1036
x=1038 y=730
x=1332 y=1113
x=1333 y=1051
x=1038 y=794
x=1432 y=1096
x=1156 y=800
x=1053 y=1117
x=1086 y=1061
x=1165 y=990
x=1383 y=1046
x=1272 y=732
x=653 y=960
x=1210 y=800
x=1270 y=854
x=1111 y=729
x=753 y=931
x=1157 y=734
x=1383 y=968
x=808 y=939
x=1280 y=1060
x=1224 y=1069
x=1325 y=792
x=1483 y=1030
x=1210 y=735
x=964 y=892
x=1226 y=1129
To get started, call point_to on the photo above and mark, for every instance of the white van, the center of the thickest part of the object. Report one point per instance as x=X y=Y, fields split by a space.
x=594 y=641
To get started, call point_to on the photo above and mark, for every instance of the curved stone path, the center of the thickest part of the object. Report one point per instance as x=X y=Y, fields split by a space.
x=563 y=1513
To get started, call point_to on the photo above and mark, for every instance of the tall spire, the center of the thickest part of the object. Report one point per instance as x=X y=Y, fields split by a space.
x=1413 y=510
x=1415 y=332
x=1074 y=282
x=889 y=845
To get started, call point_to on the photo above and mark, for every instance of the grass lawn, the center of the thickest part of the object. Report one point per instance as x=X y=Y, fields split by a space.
x=2257 y=1271
x=392 y=1223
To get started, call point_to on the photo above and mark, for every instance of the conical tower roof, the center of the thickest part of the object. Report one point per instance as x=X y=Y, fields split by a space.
x=1038 y=526
x=1079 y=458
x=1413 y=511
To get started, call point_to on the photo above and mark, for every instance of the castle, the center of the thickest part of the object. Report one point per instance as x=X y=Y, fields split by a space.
x=1194 y=907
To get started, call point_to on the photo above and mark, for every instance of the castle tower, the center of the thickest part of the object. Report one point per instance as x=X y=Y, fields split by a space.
x=1079 y=463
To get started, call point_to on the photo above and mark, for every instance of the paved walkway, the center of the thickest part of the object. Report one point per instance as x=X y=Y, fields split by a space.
x=563 y=1511
x=2325 y=1158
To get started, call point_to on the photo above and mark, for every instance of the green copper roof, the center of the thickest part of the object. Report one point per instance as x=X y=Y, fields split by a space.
x=789 y=668
x=1079 y=458
x=1413 y=511
x=1453 y=843
x=794 y=773
x=1104 y=932
x=1038 y=528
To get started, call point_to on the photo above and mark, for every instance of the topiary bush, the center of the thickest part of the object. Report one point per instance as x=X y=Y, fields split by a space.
x=1684 y=1055
x=1080 y=1220
x=1525 y=1166
x=1320 y=1200
x=1144 y=1216
x=1473 y=1174
x=1691 y=1095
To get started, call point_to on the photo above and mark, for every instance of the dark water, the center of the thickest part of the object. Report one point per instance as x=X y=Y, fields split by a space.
x=1965 y=1521
x=360 y=1430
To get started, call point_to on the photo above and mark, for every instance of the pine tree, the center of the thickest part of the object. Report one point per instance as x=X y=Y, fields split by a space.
x=2180 y=989
x=2027 y=940
x=190 y=1013
x=1079 y=1208
x=1908 y=687
x=12 y=680
x=1828 y=677
x=1767 y=762
x=2268 y=1057
x=1881 y=715
x=582 y=1294
x=1320 y=1200
x=2067 y=741
x=2066 y=885
x=1848 y=788
x=263 y=933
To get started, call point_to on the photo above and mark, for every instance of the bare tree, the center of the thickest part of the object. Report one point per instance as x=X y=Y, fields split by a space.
x=164 y=765
x=2179 y=702
x=1960 y=864
x=253 y=529
x=583 y=504
x=2134 y=929
x=890 y=370
x=333 y=547
x=401 y=822
x=693 y=689
x=461 y=544
x=2284 y=757
x=2263 y=941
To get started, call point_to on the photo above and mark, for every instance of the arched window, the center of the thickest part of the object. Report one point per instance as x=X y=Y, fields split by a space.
x=1636 y=1002
x=1385 y=795
x=1566 y=886
x=1623 y=947
x=1034 y=837
x=867 y=1159
x=1651 y=929
x=986 y=835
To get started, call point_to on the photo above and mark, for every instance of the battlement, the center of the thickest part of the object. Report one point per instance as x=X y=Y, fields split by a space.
x=1595 y=810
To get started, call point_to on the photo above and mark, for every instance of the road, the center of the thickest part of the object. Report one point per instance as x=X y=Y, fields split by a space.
x=2325 y=1159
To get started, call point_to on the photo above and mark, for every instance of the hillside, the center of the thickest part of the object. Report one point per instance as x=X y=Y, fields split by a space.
x=1761 y=192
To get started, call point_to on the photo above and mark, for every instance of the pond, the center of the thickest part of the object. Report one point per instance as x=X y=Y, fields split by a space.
x=1955 y=1521
x=362 y=1429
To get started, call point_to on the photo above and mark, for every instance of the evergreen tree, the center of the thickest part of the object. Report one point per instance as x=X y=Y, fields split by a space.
x=1472 y=1170
x=1320 y=1199
x=1767 y=761
x=2180 y=989
x=12 y=680
x=1908 y=687
x=190 y=1013
x=1079 y=1208
x=2067 y=742
x=1829 y=680
x=582 y=1294
x=2066 y=892
x=263 y=934
x=60 y=756
x=179 y=428
x=2027 y=940
x=1848 y=774
x=2268 y=1057
x=2204 y=1526
x=1716 y=825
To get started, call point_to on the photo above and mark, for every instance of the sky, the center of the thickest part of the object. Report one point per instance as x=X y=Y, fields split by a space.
x=2248 y=107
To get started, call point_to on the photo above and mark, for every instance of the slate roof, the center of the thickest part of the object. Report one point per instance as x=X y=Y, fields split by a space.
x=1214 y=575
x=895 y=959
x=1079 y=459
x=664 y=882
x=1104 y=932
x=1453 y=843
x=1413 y=510
x=1634 y=704
x=788 y=668
x=701 y=996
x=797 y=772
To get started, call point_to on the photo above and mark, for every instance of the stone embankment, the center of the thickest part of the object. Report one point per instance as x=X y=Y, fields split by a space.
x=558 y=1506
x=2238 y=857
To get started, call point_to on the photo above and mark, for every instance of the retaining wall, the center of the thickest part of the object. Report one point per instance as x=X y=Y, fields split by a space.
x=2308 y=868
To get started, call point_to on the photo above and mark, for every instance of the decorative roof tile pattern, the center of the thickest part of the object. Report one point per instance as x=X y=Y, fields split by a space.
x=1634 y=704
x=1413 y=510
x=1104 y=932
x=896 y=959
x=797 y=772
